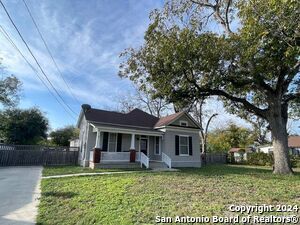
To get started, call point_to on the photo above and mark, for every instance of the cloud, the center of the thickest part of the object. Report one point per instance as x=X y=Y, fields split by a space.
x=85 y=40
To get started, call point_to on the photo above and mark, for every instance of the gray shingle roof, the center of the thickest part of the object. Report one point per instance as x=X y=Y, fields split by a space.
x=136 y=117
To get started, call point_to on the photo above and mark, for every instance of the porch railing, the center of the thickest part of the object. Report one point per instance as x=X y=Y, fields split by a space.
x=115 y=156
x=144 y=160
x=166 y=159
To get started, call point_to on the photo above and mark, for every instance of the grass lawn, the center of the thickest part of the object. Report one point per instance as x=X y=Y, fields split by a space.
x=61 y=170
x=138 y=198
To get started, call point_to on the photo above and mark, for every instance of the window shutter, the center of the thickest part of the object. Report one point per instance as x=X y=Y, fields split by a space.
x=105 y=141
x=119 y=142
x=190 y=145
x=176 y=145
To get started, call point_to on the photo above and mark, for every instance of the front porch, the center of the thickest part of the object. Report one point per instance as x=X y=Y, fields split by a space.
x=123 y=148
x=122 y=160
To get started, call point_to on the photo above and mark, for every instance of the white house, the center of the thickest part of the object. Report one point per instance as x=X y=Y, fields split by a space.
x=113 y=139
x=293 y=143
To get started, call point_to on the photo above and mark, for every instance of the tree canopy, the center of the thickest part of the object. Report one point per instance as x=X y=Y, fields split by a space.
x=253 y=65
x=231 y=136
x=62 y=137
x=9 y=90
x=18 y=126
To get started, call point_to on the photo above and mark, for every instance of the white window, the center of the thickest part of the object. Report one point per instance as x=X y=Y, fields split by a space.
x=112 y=142
x=184 y=123
x=183 y=145
x=157 y=146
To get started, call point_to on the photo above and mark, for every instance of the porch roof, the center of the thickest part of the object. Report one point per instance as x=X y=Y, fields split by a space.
x=125 y=129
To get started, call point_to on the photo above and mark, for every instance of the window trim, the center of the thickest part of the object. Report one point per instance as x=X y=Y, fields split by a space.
x=188 y=144
x=159 y=146
x=108 y=142
x=184 y=121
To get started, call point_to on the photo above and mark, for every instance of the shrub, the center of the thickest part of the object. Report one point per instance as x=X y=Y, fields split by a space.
x=260 y=159
x=295 y=161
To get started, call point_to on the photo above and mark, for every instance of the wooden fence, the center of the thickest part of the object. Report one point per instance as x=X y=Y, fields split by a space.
x=214 y=158
x=30 y=155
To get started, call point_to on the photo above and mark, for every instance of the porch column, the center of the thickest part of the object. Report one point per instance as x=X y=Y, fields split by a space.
x=97 y=148
x=98 y=139
x=132 y=148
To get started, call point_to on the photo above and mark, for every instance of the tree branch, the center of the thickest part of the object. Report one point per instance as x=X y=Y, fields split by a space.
x=216 y=8
x=289 y=97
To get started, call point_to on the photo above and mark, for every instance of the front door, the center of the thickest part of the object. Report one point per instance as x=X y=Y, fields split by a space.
x=144 y=145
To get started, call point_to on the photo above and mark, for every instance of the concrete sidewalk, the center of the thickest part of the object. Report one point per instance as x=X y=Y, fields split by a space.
x=109 y=173
x=92 y=174
x=19 y=195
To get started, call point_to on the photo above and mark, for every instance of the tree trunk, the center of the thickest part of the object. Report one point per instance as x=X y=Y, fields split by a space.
x=203 y=146
x=282 y=163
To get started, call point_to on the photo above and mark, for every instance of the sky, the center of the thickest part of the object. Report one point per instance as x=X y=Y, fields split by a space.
x=85 y=39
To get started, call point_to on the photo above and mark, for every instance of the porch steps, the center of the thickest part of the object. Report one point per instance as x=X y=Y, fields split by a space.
x=157 y=165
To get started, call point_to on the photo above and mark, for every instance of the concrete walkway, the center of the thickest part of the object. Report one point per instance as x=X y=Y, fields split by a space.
x=92 y=174
x=108 y=173
x=19 y=194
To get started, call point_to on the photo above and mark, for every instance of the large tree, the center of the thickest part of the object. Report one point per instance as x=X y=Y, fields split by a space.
x=253 y=64
x=23 y=126
x=204 y=118
x=62 y=137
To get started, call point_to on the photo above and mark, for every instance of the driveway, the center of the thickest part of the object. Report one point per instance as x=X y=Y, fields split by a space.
x=19 y=194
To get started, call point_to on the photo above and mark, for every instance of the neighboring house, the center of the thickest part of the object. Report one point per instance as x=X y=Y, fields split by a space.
x=266 y=149
x=138 y=137
x=74 y=142
x=240 y=153
x=293 y=143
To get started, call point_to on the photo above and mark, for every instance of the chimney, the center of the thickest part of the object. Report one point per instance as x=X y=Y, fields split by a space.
x=85 y=107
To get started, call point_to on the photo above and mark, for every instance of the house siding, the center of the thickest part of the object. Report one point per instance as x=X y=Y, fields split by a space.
x=126 y=141
x=82 y=140
x=152 y=154
x=168 y=145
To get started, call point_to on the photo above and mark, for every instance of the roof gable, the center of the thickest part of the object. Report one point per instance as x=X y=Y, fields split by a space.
x=174 y=120
x=163 y=121
x=184 y=118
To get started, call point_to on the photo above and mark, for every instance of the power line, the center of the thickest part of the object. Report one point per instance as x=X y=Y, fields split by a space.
x=43 y=72
x=9 y=39
x=48 y=50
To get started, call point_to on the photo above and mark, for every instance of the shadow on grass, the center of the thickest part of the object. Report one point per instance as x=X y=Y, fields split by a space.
x=223 y=170
x=64 y=195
